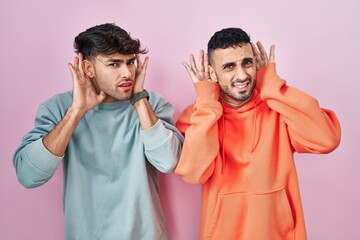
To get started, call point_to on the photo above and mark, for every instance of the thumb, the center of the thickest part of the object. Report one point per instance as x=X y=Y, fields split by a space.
x=101 y=97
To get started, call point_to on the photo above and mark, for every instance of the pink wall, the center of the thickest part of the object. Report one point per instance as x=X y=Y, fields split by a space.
x=317 y=50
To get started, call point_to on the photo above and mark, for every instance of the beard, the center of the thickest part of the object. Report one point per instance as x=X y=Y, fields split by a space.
x=230 y=94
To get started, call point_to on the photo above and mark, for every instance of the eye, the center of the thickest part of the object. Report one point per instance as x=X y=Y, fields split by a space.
x=113 y=65
x=131 y=62
x=248 y=62
x=228 y=66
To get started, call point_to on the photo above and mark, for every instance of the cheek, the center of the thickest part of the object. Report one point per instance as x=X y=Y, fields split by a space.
x=132 y=70
x=252 y=72
x=133 y=73
x=224 y=78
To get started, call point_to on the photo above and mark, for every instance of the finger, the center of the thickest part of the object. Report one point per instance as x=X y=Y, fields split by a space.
x=101 y=97
x=192 y=62
x=188 y=68
x=72 y=71
x=81 y=64
x=144 y=66
x=74 y=68
x=190 y=72
x=138 y=61
x=263 y=53
x=255 y=51
x=206 y=63
x=201 y=61
x=272 y=54
x=76 y=63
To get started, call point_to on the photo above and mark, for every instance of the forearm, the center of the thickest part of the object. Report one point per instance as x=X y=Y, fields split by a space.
x=201 y=145
x=58 y=138
x=311 y=128
x=162 y=145
x=147 y=117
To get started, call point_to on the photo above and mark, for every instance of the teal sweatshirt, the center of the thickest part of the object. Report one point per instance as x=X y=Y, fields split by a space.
x=111 y=189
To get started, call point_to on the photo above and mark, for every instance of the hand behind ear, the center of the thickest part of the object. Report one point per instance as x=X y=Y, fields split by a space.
x=200 y=72
x=261 y=56
x=85 y=96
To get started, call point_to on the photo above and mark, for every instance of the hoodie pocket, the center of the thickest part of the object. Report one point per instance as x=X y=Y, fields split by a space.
x=252 y=216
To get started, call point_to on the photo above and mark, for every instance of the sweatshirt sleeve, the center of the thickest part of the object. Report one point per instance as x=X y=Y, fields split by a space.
x=199 y=125
x=33 y=163
x=163 y=141
x=311 y=128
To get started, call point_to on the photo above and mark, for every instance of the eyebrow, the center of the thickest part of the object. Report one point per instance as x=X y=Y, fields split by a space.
x=248 y=59
x=233 y=63
x=116 y=60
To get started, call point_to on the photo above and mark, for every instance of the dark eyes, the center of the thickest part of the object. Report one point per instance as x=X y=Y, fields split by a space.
x=228 y=66
x=116 y=64
x=113 y=65
x=248 y=62
x=245 y=63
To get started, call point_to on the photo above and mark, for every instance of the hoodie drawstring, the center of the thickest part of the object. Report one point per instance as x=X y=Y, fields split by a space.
x=254 y=141
x=223 y=162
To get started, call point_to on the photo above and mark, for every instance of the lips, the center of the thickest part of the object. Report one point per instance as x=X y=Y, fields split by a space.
x=126 y=85
x=241 y=85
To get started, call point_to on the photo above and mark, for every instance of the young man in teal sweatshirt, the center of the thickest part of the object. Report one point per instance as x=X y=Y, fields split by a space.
x=112 y=137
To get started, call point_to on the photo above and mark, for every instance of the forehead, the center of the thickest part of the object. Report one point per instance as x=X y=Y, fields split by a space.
x=232 y=54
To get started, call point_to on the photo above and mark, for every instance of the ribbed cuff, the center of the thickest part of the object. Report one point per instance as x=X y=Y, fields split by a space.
x=40 y=158
x=207 y=90
x=155 y=136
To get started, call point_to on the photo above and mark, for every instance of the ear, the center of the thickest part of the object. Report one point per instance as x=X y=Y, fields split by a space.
x=89 y=68
x=213 y=76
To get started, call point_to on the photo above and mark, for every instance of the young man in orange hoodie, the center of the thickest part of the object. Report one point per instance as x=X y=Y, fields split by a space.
x=240 y=138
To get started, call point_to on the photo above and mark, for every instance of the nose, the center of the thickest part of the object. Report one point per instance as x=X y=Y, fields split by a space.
x=125 y=72
x=241 y=74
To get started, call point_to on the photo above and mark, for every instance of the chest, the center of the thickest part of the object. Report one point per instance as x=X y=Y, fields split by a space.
x=252 y=132
x=107 y=141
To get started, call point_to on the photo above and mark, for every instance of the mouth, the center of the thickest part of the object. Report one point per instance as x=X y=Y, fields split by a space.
x=241 y=86
x=125 y=85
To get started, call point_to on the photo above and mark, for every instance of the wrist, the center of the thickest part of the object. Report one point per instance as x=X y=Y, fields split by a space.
x=75 y=113
x=138 y=96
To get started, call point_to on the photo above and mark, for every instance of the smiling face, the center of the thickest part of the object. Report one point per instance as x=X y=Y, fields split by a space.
x=234 y=69
x=114 y=74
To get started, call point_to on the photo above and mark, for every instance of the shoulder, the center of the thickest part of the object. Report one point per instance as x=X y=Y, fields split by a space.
x=59 y=99
x=57 y=104
x=155 y=99
x=155 y=95
x=162 y=107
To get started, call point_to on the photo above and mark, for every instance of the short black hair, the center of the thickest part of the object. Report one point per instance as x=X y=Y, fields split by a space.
x=106 y=39
x=227 y=37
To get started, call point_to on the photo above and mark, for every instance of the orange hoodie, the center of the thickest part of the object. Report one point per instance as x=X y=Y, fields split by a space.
x=244 y=158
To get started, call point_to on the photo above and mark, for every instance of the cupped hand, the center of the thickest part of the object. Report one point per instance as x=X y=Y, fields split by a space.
x=140 y=73
x=198 y=72
x=85 y=96
x=261 y=56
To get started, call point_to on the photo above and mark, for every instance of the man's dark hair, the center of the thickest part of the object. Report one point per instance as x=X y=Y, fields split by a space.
x=227 y=37
x=106 y=39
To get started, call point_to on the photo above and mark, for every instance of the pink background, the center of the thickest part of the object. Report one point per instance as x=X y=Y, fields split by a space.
x=317 y=50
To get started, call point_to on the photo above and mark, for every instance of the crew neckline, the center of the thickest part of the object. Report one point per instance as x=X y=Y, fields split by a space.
x=112 y=105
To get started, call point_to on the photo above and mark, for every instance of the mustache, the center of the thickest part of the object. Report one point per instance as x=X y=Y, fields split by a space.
x=248 y=79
